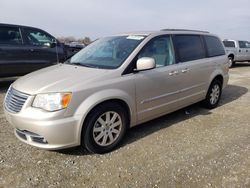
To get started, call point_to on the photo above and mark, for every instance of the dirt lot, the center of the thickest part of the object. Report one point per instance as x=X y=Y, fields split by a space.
x=193 y=147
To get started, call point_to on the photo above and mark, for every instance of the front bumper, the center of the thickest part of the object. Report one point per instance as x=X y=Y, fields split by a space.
x=53 y=132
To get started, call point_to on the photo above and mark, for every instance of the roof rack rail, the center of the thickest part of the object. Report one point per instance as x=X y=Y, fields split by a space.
x=184 y=30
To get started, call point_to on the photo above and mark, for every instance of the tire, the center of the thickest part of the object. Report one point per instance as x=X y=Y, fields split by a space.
x=231 y=62
x=213 y=95
x=104 y=123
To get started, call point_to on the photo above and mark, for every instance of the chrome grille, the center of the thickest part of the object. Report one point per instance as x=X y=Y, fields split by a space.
x=15 y=100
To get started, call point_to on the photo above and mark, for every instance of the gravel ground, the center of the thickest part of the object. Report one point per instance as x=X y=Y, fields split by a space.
x=193 y=147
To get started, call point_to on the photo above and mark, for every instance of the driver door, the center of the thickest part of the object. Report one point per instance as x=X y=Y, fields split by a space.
x=41 y=53
x=157 y=90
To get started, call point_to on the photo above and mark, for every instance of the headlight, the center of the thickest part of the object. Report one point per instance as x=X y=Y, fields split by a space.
x=52 y=101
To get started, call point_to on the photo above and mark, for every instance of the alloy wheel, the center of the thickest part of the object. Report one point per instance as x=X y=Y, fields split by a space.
x=107 y=128
x=215 y=94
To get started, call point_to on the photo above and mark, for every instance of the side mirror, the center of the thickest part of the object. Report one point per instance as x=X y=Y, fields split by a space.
x=49 y=45
x=145 y=63
x=53 y=45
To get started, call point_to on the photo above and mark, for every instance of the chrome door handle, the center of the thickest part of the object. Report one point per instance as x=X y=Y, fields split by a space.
x=184 y=70
x=173 y=73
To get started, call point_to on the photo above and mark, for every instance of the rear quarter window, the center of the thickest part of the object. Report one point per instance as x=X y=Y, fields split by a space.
x=214 y=46
x=189 y=47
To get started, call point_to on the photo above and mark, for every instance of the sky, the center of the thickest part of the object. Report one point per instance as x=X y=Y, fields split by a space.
x=99 y=18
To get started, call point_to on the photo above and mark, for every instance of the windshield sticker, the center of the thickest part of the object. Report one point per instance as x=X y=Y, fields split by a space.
x=135 y=37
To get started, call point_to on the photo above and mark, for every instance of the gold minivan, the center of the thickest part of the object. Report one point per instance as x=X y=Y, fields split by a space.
x=113 y=84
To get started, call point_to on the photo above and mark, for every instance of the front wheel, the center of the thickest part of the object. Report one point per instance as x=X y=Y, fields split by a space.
x=104 y=128
x=213 y=95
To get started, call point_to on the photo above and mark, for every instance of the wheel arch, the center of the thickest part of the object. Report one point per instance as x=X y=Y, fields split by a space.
x=231 y=55
x=99 y=98
x=216 y=75
x=220 y=78
x=121 y=102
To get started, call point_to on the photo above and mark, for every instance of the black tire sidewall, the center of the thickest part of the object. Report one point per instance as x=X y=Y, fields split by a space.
x=87 y=136
x=207 y=100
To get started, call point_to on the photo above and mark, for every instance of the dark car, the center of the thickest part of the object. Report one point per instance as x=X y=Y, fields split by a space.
x=25 y=49
x=73 y=47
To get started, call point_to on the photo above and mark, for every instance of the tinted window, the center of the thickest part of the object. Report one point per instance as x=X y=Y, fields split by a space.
x=244 y=44
x=10 y=35
x=38 y=37
x=189 y=47
x=161 y=50
x=214 y=46
x=229 y=44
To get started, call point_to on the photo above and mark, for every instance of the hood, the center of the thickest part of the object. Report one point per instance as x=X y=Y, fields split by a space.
x=57 y=78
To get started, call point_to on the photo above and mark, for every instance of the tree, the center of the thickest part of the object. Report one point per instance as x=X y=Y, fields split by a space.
x=85 y=40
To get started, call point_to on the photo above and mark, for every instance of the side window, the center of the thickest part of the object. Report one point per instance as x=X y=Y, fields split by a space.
x=214 y=46
x=243 y=44
x=37 y=37
x=229 y=44
x=10 y=35
x=189 y=47
x=248 y=44
x=161 y=50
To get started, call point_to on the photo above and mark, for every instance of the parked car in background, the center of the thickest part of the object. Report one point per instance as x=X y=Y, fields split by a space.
x=73 y=48
x=237 y=51
x=116 y=83
x=25 y=49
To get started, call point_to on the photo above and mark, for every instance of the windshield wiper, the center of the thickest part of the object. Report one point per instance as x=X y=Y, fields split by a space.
x=75 y=63
x=84 y=65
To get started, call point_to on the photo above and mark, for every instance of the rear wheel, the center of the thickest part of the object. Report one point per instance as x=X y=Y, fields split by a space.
x=213 y=95
x=104 y=128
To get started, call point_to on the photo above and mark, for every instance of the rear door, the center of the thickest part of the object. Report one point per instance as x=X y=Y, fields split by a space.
x=248 y=50
x=243 y=51
x=12 y=51
x=194 y=68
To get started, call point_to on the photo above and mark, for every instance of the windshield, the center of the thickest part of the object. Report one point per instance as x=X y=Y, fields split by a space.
x=107 y=53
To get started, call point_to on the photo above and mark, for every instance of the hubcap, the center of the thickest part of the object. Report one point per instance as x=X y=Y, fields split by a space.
x=215 y=94
x=107 y=128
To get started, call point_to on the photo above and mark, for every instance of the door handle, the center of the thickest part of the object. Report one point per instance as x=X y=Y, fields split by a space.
x=246 y=50
x=184 y=70
x=173 y=73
